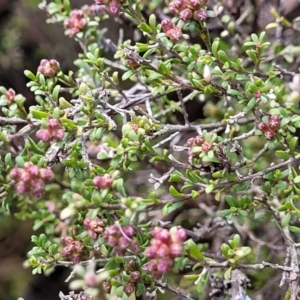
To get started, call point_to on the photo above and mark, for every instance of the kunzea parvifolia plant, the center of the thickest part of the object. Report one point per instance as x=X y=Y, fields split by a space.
x=130 y=191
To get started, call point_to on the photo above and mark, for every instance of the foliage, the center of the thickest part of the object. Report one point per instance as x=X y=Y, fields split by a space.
x=103 y=169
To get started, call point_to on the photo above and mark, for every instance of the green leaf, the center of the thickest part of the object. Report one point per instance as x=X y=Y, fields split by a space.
x=55 y=92
x=286 y=220
x=282 y=154
x=210 y=188
x=7 y=160
x=224 y=213
x=202 y=281
x=145 y=27
x=230 y=200
x=222 y=56
x=30 y=75
x=34 y=147
x=297 y=179
x=163 y=68
x=127 y=75
x=68 y=124
x=119 y=183
x=174 y=192
x=170 y=207
x=215 y=46
x=294 y=229
x=293 y=144
x=193 y=250
x=37 y=114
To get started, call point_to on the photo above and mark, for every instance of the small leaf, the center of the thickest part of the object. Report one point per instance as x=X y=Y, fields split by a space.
x=294 y=229
x=145 y=27
x=170 y=207
x=37 y=114
x=174 y=192
x=34 y=147
x=193 y=250
x=215 y=46
x=127 y=75
x=292 y=144
x=55 y=92
x=30 y=75
x=282 y=154
x=222 y=56
x=286 y=220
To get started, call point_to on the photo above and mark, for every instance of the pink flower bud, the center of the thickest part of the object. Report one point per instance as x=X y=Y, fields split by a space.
x=163 y=251
x=112 y=241
x=274 y=122
x=129 y=230
x=174 y=34
x=25 y=176
x=173 y=9
x=167 y=25
x=200 y=15
x=111 y=230
x=66 y=240
x=129 y=288
x=175 y=250
x=114 y=7
x=22 y=188
x=263 y=126
x=206 y=146
x=46 y=174
x=135 y=276
x=195 y=4
x=37 y=185
x=34 y=171
x=181 y=235
x=123 y=242
x=10 y=95
x=152 y=265
x=53 y=123
x=15 y=173
x=86 y=223
x=102 y=182
x=43 y=134
x=78 y=246
x=59 y=134
x=164 y=236
x=186 y=14
x=164 y=265
x=269 y=135
x=150 y=252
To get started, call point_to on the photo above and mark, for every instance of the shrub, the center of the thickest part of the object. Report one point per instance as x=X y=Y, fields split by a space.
x=112 y=160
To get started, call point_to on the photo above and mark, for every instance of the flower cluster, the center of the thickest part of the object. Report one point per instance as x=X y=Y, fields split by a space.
x=94 y=227
x=269 y=129
x=113 y=6
x=74 y=250
x=31 y=179
x=49 y=68
x=198 y=141
x=129 y=286
x=165 y=246
x=103 y=182
x=121 y=238
x=172 y=31
x=53 y=131
x=75 y=23
x=189 y=9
